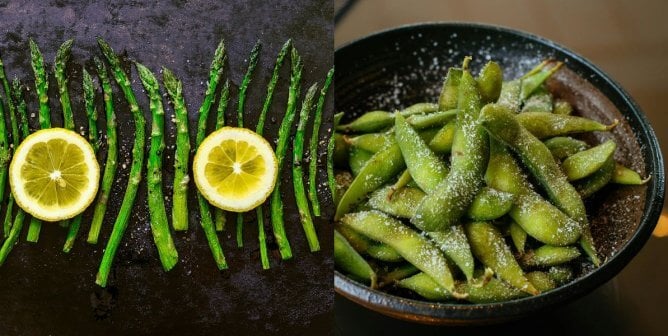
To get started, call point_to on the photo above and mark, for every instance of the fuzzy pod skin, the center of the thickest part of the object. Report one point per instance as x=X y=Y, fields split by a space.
x=585 y=163
x=454 y=243
x=624 y=175
x=544 y=125
x=373 y=249
x=490 y=204
x=547 y=255
x=450 y=91
x=563 y=147
x=402 y=202
x=490 y=80
x=351 y=262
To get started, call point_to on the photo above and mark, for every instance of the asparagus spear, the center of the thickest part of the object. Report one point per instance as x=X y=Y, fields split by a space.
x=16 y=227
x=252 y=62
x=216 y=71
x=156 y=203
x=204 y=210
x=277 y=220
x=121 y=222
x=15 y=140
x=298 y=173
x=218 y=213
x=112 y=153
x=91 y=112
x=5 y=154
x=59 y=67
x=313 y=146
x=259 y=129
x=180 y=197
x=41 y=87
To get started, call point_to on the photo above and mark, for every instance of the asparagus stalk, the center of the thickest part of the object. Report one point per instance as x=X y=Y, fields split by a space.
x=5 y=154
x=313 y=146
x=156 y=202
x=16 y=227
x=41 y=87
x=112 y=153
x=218 y=213
x=15 y=140
x=205 y=211
x=276 y=205
x=259 y=129
x=298 y=172
x=215 y=73
x=181 y=179
x=59 y=67
x=135 y=171
x=252 y=62
x=91 y=113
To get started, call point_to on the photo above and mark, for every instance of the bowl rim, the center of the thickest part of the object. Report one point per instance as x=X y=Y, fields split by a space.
x=461 y=313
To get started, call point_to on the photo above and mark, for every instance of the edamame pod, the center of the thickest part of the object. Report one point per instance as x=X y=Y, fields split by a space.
x=518 y=236
x=357 y=159
x=371 y=142
x=369 y=247
x=489 y=247
x=453 y=195
x=587 y=162
x=539 y=101
x=510 y=95
x=426 y=169
x=563 y=147
x=546 y=125
x=588 y=186
x=538 y=217
x=537 y=76
x=562 y=107
x=377 y=171
x=454 y=244
x=419 y=108
x=402 y=203
x=623 y=175
x=450 y=92
x=490 y=204
x=403 y=180
x=436 y=119
x=441 y=143
x=560 y=274
x=398 y=273
x=414 y=247
x=547 y=255
x=490 y=80
x=369 y=122
x=348 y=260
x=501 y=123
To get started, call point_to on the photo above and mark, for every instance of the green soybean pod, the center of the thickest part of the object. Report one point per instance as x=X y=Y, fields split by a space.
x=450 y=92
x=535 y=78
x=623 y=175
x=397 y=274
x=490 y=80
x=452 y=196
x=368 y=122
x=547 y=255
x=546 y=125
x=348 y=260
x=588 y=186
x=369 y=247
x=419 y=108
x=370 y=142
x=413 y=246
x=587 y=162
x=489 y=247
x=436 y=119
x=562 y=147
x=402 y=203
x=425 y=167
x=377 y=171
x=541 y=280
x=562 y=107
x=357 y=159
x=510 y=95
x=423 y=285
x=518 y=236
x=538 y=217
x=490 y=204
x=441 y=143
x=455 y=245
x=539 y=101
x=560 y=274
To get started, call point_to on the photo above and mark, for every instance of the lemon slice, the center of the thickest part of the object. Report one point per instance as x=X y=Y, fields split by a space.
x=54 y=174
x=235 y=169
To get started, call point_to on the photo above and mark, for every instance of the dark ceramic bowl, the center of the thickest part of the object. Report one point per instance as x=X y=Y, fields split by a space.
x=399 y=67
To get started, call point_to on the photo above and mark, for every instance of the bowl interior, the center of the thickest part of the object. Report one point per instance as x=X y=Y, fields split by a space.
x=396 y=68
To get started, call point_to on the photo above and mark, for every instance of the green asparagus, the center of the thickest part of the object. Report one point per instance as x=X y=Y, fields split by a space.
x=313 y=146
x=218 y=213
x=59 y=67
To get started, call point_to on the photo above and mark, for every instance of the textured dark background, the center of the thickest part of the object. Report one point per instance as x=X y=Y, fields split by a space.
x=44 y=291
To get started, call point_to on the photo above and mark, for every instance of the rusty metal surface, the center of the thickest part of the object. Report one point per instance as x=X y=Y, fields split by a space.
x=44 y=291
